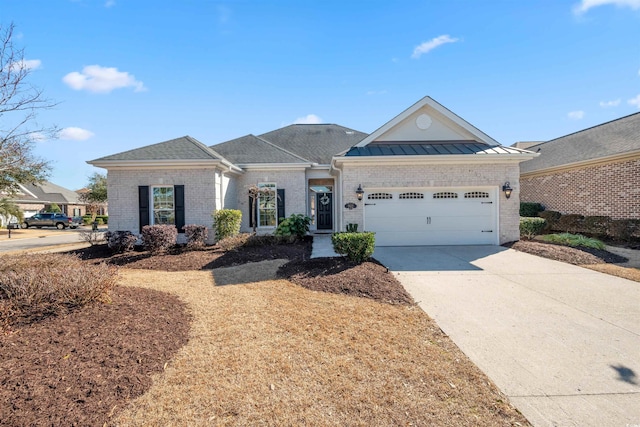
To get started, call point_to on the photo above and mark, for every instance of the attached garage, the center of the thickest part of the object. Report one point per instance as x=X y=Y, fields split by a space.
x=447 y=216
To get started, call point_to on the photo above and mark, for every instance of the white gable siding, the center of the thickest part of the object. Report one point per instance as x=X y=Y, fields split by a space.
x=441 y=129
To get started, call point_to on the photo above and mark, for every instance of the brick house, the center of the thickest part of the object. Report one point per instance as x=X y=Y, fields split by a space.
x=592 y=172
x=38 y=197
x=425 y=177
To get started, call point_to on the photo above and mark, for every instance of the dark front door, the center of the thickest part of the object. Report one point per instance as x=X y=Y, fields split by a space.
x=324 y=203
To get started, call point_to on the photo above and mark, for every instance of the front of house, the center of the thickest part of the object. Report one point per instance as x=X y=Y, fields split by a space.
x=427 y=177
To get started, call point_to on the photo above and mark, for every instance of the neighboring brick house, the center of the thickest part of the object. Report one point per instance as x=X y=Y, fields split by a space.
x=34 y=198
x=593 y=172
x=426 y=177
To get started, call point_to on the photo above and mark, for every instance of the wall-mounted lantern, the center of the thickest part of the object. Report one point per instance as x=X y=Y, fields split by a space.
x=507 y=189
x=359 y=192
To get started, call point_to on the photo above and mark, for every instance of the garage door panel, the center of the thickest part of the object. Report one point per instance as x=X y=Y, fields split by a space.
x=446 y=219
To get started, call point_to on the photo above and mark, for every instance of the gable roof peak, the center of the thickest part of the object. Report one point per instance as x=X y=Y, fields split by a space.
x=448 y=115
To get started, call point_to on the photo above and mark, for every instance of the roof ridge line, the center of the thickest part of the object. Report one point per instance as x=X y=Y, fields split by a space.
x=203 y=147
x=584 y=130
x=281 y=149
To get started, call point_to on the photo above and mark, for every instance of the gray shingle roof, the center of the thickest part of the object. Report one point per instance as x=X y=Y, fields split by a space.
x=183 y=148
x=48 y=192
x=251 y=149
x=608 y=139
x=317 y=143
x=419 y=148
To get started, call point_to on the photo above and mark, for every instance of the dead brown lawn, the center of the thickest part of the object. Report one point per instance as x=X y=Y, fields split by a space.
x=616 y=270
x=273 y=353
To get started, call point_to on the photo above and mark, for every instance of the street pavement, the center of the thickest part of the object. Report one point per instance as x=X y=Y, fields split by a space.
x=562 y=342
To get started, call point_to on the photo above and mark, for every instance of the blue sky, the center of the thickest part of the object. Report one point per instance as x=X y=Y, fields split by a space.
x=128 y=73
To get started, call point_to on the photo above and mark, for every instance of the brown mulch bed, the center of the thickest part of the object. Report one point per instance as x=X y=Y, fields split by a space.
x=340 y=276
x=576 y=256
x=80 y=369
x=210 y=257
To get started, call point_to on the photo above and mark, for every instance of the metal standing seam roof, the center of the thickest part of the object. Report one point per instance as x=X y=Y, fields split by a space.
x=420 y=148
x=183 y=148
x=619 y=136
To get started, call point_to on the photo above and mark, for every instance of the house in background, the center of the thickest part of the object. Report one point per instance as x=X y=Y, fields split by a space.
x=34 y=198
x=426 y=177
x=592 y=172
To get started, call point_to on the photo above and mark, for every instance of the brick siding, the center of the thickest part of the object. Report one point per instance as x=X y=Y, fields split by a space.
x=611 y=189
x=199 y=195
x=437 y=176
x=292 y=181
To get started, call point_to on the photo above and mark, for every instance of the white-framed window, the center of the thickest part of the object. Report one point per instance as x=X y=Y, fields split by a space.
x=268 y=205
x=163 y=205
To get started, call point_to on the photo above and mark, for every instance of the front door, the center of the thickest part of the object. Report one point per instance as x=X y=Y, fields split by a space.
x=324 y=203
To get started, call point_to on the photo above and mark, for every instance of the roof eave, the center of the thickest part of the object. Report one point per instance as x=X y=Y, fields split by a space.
x=435 y=159
x=146 y=164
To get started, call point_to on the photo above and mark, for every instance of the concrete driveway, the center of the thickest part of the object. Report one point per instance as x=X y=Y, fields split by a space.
x=561 y=341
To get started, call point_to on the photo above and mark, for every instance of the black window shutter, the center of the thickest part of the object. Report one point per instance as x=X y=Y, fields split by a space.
x=253 y=207
x=280 y=205
x=178 y=194
x=143 y=205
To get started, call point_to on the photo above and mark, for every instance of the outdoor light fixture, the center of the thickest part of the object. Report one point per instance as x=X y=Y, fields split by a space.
x=507 y=189
x=359 y=192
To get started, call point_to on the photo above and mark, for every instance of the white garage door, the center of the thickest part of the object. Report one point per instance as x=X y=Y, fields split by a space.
x=436 y=217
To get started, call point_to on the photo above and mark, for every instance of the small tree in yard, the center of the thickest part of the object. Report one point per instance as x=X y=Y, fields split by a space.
x=54 y=208
x=19 y=103
x=95 y=195
x=255 y=193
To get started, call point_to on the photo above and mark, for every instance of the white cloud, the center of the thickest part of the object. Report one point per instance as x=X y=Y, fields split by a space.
x=576 y=115
x=109 y=3
x=25 y=64
x=607 y=104
x=585 y=5
x=98 y=79
x=432 y=44
x=309 y=119
x=635 y=101
x=75 y=134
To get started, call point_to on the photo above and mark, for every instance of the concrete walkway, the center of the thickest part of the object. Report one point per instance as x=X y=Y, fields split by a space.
x=322 y=247
x=562 y=342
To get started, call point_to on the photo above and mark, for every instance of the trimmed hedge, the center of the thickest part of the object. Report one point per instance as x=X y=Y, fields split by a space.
x=196 y=235
x=529 y=209
x=357 y=247
x=226 y=223
x=120 y=241
x=625 y=230
x=531 y=227
x=86 y=219
x=159 y=238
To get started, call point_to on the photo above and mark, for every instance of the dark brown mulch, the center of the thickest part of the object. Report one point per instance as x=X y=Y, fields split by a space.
x=80 y=369
x=340 y=276
x=577 y=256
x=182 y=259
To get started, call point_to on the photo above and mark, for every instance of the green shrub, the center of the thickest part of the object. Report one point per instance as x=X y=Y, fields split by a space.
x=226 y=223
x=531 y=227
x=296 y=225
x=529 y=209
x=35 y=286
x=196 y=235
x=86 y=220
x=159 y=238
x=352 y=228
x=357 y=247
x=574 y=240
x=100 y=221
x=104 y=218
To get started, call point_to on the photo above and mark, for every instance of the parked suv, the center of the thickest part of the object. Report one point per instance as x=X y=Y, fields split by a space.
x=60 y=221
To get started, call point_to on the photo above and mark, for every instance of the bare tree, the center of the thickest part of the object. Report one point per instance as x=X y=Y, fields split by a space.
x=19 y=103
x=255 y=193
